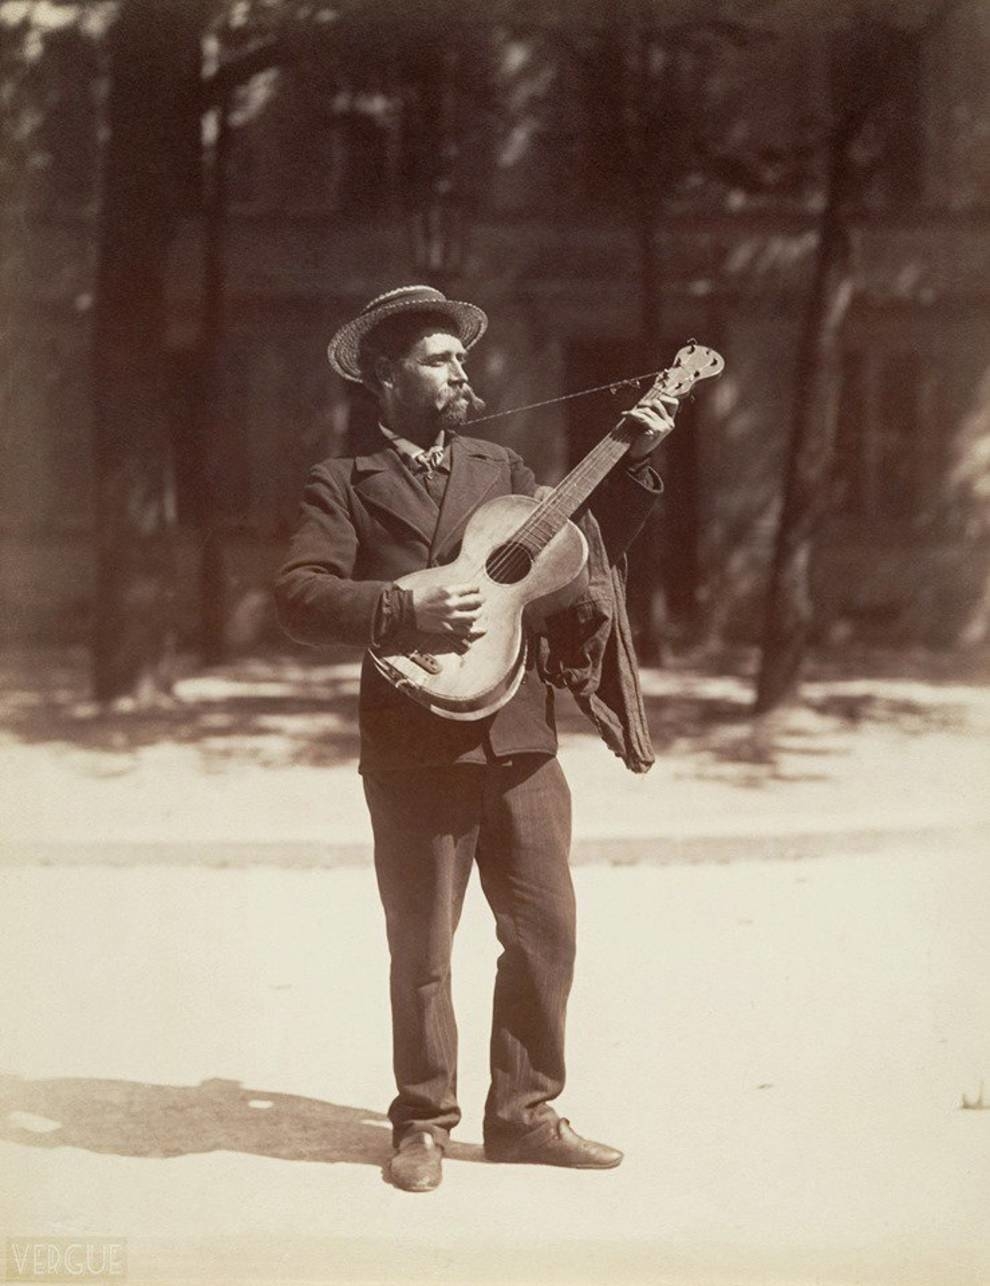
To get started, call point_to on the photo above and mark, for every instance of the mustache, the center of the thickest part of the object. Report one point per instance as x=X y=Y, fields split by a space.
x=461 y=405
x=476 y=405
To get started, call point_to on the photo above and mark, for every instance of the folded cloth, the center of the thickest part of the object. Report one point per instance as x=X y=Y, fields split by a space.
x=588 y=649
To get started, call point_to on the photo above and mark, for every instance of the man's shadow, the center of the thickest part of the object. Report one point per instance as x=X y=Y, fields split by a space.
x=129 y=1118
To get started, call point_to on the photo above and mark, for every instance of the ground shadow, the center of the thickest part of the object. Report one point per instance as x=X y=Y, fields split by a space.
x=721 y=732
x=318 y=729
x=134 y=1119
x=255 y=712
x=278 y=711
x=855 y=708
x=721 y=738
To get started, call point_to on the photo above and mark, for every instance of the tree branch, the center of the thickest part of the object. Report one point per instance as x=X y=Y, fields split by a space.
x=259 y=57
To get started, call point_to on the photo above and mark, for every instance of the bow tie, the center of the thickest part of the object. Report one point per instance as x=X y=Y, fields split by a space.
x=429 y=460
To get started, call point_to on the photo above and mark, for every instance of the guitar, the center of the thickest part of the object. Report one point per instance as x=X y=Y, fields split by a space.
x=528 y=557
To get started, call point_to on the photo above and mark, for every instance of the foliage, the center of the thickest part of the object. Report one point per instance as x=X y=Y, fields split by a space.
x=50 y=88
x=450 y=113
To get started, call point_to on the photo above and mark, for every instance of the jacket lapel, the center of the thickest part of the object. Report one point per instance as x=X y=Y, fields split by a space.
x=383 y=483
x=473 y=474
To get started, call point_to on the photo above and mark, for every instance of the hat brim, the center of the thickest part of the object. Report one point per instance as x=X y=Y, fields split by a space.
x=343 y=351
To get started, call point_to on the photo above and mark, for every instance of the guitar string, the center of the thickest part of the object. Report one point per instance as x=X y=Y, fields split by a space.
x=632 y=381
x=532 y=525
x=541 y=522
x=539 y=525
x=535 y=525
x=542 y=519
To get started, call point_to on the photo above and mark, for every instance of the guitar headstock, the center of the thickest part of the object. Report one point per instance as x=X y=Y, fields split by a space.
x=693 y=362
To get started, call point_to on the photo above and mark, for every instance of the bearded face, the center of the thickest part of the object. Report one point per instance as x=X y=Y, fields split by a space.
x=427 y=389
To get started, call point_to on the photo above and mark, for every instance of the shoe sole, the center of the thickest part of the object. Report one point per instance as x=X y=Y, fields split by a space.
x=405 y=1187
x=557 y=1165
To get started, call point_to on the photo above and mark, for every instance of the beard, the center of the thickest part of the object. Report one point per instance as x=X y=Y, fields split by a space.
x=458 y=408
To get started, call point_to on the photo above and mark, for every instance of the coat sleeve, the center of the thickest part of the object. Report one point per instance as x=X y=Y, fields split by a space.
x=316 y=598
x=622 y=502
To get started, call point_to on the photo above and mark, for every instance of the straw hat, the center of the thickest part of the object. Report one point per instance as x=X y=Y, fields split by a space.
x=344 y=349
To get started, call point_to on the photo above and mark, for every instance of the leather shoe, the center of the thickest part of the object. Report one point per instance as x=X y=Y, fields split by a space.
x=562 y=1147
x=416 y=1163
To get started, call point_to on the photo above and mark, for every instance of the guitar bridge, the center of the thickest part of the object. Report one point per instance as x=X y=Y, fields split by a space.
x=425 y=660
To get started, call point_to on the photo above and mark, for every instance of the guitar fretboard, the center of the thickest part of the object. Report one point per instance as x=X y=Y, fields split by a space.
x=571 y=492
x=693 y=362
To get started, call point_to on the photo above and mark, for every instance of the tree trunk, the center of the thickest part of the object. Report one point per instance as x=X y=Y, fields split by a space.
x=870 y=68
x=212 y=517
x=149 y=177
x=806 y=487
x=790 y=609
x=209 y=514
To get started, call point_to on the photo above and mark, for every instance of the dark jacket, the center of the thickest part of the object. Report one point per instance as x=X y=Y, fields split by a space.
x=367 y=521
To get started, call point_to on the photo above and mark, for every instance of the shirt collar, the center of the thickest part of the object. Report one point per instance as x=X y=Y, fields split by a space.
x=410 y=450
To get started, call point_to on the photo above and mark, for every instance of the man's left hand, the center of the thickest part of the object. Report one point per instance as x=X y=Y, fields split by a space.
x=655 y=421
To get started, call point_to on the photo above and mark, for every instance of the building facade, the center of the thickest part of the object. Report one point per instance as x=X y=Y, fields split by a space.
x=588 y=193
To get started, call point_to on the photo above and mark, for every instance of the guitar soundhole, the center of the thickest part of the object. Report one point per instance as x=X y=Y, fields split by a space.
x=509 y=564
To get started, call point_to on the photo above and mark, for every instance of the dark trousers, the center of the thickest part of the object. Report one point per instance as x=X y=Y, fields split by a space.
x=429 y=826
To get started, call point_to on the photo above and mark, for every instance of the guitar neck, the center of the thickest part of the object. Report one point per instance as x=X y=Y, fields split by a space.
x=692 y=363
x=573 y=490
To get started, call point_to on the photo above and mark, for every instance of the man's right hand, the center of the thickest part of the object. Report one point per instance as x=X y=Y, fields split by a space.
x=451 y=610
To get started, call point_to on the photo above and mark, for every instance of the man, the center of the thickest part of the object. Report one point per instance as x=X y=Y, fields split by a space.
x=444 y=793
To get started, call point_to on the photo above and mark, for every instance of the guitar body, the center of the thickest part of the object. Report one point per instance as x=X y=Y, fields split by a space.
x=468 y=680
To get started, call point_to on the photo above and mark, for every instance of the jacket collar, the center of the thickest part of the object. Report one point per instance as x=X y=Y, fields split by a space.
x=383 y=481
x=409 y=451
x=383 y=458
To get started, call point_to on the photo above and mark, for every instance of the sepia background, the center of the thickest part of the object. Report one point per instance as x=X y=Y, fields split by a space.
x=781 y=1009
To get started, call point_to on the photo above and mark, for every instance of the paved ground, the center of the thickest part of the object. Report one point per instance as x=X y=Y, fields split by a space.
x=256 y=764
x=195 y=1055
x=198 y=1063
